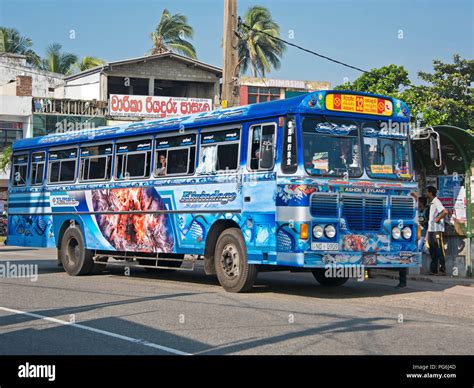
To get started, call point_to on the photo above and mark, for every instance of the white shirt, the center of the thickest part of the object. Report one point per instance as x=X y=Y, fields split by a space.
x=436 y=207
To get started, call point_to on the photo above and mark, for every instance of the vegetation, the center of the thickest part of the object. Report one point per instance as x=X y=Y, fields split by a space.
x=257 y=50
x=172 y=34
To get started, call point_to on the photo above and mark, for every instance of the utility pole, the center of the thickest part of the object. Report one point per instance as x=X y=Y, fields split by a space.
x=230 y=84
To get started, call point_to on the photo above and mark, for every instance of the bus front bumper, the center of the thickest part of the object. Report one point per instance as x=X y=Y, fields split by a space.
x=312 y=259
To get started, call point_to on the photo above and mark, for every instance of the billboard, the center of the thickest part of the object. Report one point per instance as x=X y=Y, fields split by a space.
x=156 y=106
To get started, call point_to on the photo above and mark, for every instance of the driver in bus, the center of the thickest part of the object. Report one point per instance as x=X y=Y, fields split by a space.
x=341 y=157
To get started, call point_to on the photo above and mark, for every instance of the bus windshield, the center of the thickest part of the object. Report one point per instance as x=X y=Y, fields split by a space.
x=386 y=155
x=331 y=147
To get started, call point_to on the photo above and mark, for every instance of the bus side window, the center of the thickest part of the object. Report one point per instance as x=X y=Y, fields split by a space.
x=133 y=160
x=19 y=170
x=37 y=168
x=219 y=151
x=262 y=147
x=175 y=155
x=62 y=166
x=96 y=162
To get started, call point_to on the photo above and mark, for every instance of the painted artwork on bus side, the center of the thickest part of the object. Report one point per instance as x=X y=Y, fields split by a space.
x=145 y=232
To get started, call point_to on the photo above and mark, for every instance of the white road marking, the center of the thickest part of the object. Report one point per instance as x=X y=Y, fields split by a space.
x=99 y=331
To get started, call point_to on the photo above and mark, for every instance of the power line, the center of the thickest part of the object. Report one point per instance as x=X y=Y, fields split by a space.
x=240 y=23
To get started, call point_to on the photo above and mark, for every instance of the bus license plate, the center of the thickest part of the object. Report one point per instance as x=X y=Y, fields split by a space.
x=324 y=246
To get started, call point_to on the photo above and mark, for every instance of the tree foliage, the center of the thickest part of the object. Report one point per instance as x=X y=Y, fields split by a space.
x=445 y=96
x=5 y=158
x=57 y=61
x=172 y=34
x=12 y=42
x=257 y=50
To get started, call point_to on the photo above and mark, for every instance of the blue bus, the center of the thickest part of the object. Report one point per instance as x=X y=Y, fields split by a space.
x=298 y=184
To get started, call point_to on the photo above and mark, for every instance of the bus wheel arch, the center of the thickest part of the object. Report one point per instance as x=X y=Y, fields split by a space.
x=211 y=240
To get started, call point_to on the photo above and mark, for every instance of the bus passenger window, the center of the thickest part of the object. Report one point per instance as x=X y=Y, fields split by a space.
x=37 y=168
x=219 y=151
x=262 y=143
x=133 y=160
x=20 y=167
x=227 y=157
x=96 y=162
x=178 y=161
x=62 y=166
x=175 y=155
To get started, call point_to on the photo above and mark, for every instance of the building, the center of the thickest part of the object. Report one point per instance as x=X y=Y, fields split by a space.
x=177 y=84
x=254 y=90
x=18 y=83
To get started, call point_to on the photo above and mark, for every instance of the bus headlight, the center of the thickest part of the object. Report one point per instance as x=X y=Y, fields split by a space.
x=396 y=233
x=406 y=233
x=330 y=231
x=318 y=231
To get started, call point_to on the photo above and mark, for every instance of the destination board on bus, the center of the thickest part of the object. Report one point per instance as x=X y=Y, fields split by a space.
x=359 y=104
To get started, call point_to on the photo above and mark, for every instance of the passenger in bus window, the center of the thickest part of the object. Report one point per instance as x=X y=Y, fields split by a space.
x=161 y=167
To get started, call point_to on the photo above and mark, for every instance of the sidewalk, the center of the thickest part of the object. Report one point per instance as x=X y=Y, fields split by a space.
x=447 y=280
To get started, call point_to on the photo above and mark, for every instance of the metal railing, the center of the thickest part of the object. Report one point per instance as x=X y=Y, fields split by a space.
x=61 y=106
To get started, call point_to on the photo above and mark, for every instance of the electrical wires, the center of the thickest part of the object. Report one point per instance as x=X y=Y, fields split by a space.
x=241 y=24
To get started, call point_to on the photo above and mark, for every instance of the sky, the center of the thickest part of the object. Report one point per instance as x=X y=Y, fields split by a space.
x=363 y=33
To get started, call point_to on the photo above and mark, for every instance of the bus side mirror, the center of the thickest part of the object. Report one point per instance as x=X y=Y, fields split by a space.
x=435 y=150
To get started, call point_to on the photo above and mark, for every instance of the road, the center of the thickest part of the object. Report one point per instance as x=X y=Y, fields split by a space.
x=189 y=313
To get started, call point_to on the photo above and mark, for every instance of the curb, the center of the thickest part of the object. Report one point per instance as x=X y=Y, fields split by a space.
x=429 y=279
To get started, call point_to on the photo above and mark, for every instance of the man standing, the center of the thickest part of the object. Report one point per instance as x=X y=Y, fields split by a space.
x=437 y=214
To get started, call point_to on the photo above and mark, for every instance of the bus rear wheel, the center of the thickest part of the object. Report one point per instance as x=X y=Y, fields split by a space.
x=75 y=258
x=233 y=271
x=320 y=275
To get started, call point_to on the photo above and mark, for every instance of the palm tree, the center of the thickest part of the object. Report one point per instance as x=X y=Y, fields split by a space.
x=88 y=62
x=257 y=50
x=12 y=42
x=171 y=34
x=58 y=62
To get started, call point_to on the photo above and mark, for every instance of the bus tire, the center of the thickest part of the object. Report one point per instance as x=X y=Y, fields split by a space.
x=76 y=260
x=232 y=268
x=319 y=275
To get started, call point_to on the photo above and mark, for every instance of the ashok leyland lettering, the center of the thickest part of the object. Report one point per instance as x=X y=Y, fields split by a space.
x=297 y=184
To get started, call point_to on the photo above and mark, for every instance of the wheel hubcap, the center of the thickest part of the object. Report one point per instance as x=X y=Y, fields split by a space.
x=230 y=261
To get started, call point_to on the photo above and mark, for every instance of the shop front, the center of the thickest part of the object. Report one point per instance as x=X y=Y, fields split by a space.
x=444 y=158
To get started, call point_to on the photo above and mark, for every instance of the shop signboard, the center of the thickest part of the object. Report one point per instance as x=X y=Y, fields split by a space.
x=155 y=106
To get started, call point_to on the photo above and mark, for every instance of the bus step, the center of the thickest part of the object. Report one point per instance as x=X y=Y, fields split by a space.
x=135 y=261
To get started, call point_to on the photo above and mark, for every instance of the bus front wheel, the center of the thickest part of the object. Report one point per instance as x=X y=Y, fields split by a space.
x=233 y=271
x=320 y=276
x=75 y=258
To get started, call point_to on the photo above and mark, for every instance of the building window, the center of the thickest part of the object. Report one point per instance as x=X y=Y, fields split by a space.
x=127 y=85
x=9 y=133
x=259 y=94
x=45 y=124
